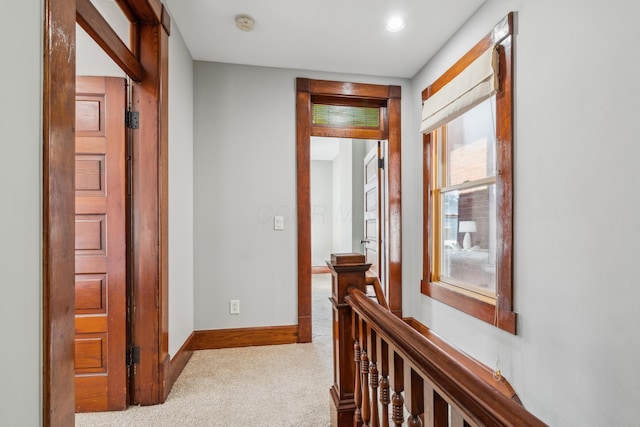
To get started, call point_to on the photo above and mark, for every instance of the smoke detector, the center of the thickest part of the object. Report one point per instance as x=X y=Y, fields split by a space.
x=245 y=22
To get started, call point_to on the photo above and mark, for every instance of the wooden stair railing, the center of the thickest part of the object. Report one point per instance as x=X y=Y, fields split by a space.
x=385 y=369
x=374 y=282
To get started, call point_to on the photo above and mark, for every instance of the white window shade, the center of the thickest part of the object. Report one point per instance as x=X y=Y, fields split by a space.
x=473 y=85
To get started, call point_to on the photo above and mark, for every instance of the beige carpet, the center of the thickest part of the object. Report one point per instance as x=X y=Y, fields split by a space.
x=285 y=385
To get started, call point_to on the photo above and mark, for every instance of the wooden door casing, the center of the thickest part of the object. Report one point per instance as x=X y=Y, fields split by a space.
x=58 y=158
x=100 y=245
x=389 y=99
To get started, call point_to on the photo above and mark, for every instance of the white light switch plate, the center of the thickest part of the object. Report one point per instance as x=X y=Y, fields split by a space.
x=278 y=223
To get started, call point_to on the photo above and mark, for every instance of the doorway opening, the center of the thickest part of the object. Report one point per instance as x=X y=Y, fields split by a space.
x=384 y=101
x=348 y=210
x=146 y=63
x=348 y=201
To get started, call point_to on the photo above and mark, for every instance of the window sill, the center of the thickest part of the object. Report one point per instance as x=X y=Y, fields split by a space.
x=481 y=308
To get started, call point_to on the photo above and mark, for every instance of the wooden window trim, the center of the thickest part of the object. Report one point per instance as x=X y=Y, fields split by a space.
x=501 y=314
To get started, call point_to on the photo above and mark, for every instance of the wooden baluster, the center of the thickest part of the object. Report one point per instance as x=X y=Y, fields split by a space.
x=373 y=376
x=366 y=403
x=385 y=394
x=398 y=409
x=440 y=411
x=397 y=381
x=374 y=382
x=414 y=421
x=357 y=396
x=385 y=399
x=414 y=396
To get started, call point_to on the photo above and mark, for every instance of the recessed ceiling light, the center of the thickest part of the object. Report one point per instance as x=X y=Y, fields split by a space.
x=395 y=24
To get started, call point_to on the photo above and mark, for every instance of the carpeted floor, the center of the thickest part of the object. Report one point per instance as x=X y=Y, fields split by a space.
x=285 y=385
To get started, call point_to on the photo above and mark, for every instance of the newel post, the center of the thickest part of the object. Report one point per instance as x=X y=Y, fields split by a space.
x=347 y=270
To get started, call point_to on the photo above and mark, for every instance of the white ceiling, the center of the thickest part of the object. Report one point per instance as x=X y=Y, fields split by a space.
x=344 y=36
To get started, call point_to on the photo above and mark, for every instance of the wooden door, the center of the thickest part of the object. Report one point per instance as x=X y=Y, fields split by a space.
x=372 y=223
x=100 y=245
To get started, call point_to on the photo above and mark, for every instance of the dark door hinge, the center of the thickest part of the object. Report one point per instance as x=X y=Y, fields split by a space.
x=132 y=119
x=381 y=163
x=133 y=355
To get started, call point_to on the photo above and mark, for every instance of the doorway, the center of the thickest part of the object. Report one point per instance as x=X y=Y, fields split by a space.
x=386 y=101
x=348 y=204
x=146 y=63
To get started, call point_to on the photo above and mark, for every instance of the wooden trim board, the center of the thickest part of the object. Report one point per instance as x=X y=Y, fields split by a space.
x=58 y=204
x=177 y=364
x=244 y=337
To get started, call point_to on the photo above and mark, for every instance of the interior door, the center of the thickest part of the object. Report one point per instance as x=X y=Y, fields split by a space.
x=100 y=245
x=372 y=223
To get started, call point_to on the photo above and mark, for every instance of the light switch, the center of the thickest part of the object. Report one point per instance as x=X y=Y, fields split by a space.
x=278 y=223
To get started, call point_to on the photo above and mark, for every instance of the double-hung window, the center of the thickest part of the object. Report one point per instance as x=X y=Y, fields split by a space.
x=468 y=181
x=464 y=202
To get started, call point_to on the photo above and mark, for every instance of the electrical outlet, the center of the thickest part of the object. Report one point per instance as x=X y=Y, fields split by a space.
x=234 y=306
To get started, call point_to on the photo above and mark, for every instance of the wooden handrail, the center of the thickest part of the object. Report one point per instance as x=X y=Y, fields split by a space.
x=480 y=403
x=377 y=288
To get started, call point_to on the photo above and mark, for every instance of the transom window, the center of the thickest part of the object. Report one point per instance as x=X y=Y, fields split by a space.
x=345 y=116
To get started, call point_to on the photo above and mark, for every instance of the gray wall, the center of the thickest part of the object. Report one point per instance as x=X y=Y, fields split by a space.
x=343 y=198
x=348 y=197
x=180 y=191
x=20 y=216
x=575 y=359
x=357 y=194
x=337 y=223
x=244 y=175
x=321 y=211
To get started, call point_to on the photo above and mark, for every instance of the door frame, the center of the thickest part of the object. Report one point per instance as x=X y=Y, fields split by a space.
x=354 y=94
x=147 y=65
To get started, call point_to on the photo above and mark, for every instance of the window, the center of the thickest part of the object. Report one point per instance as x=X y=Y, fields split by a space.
x=346 y=116
x=468 y=182
x=464 y=202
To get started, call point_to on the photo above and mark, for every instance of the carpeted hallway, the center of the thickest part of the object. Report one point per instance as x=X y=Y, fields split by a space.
x=286 y=385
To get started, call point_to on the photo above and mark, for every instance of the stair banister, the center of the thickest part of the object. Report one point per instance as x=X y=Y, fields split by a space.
x=347 y=271
x=468 y=395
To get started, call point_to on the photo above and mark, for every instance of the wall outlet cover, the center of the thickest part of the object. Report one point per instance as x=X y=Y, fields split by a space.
x=234 y=306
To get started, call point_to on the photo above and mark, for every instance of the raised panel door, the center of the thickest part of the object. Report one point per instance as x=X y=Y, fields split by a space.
x=100 y=242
